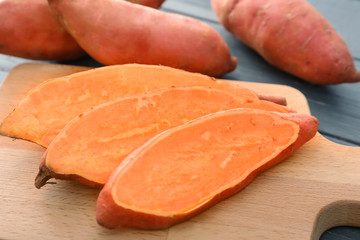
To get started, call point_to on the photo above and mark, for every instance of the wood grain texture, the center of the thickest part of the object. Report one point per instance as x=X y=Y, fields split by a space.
x=315 y=189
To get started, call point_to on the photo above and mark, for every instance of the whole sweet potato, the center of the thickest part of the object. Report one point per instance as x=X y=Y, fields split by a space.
x=291 y=35
x=119 y=32
x=28 y=29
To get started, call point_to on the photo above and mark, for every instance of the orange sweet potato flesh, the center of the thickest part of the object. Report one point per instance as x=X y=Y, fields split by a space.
x=46 y=109
x=187 y=169
x=93 y=144
x=291 y=35
x=28 y=29
x=119 y=32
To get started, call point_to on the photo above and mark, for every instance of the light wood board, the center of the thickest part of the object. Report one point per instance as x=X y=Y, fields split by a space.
x=315 y=189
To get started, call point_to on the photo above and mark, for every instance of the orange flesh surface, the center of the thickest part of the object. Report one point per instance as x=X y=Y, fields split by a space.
x=47 y=108
x=93 y=144
x=185 y=167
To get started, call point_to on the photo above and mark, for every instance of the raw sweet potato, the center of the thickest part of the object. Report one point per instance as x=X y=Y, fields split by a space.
x=48 y=107
x=291 y=35
x=28 y=29
x=93 y=144
x=119 y=32
x=189 y=168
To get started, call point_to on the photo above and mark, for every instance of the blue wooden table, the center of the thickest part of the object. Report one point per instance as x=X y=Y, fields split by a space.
x=337 y=107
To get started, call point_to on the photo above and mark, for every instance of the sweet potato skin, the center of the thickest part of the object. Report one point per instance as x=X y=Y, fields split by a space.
x=149 y=3
x=292 y=36
x=120 y=36
x=30 y=30
x=111 y=215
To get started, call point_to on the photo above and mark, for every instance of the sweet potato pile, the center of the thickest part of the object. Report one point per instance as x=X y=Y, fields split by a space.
x=292 y=36
x=161 y=143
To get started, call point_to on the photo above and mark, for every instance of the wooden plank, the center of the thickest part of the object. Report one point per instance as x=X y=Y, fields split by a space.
x=282 y=203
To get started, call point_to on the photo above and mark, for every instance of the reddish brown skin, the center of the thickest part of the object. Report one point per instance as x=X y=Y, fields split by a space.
x=116 y=34
x=111 y=215
x=28 y=29
x=45 y=174
x=119 y=216
x=149 y=3
x=291 y=35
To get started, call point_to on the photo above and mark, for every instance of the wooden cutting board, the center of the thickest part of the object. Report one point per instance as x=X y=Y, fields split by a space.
x=315 y=189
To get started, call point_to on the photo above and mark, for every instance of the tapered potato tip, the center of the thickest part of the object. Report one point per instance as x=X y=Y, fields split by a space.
x=43 y=176
x=357 y=77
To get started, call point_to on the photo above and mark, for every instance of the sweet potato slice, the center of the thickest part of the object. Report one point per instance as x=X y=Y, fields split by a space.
x=48 y=107
x=93 y=144
x=187 y=169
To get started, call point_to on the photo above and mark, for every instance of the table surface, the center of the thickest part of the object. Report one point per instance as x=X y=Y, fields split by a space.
x=336 y=106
